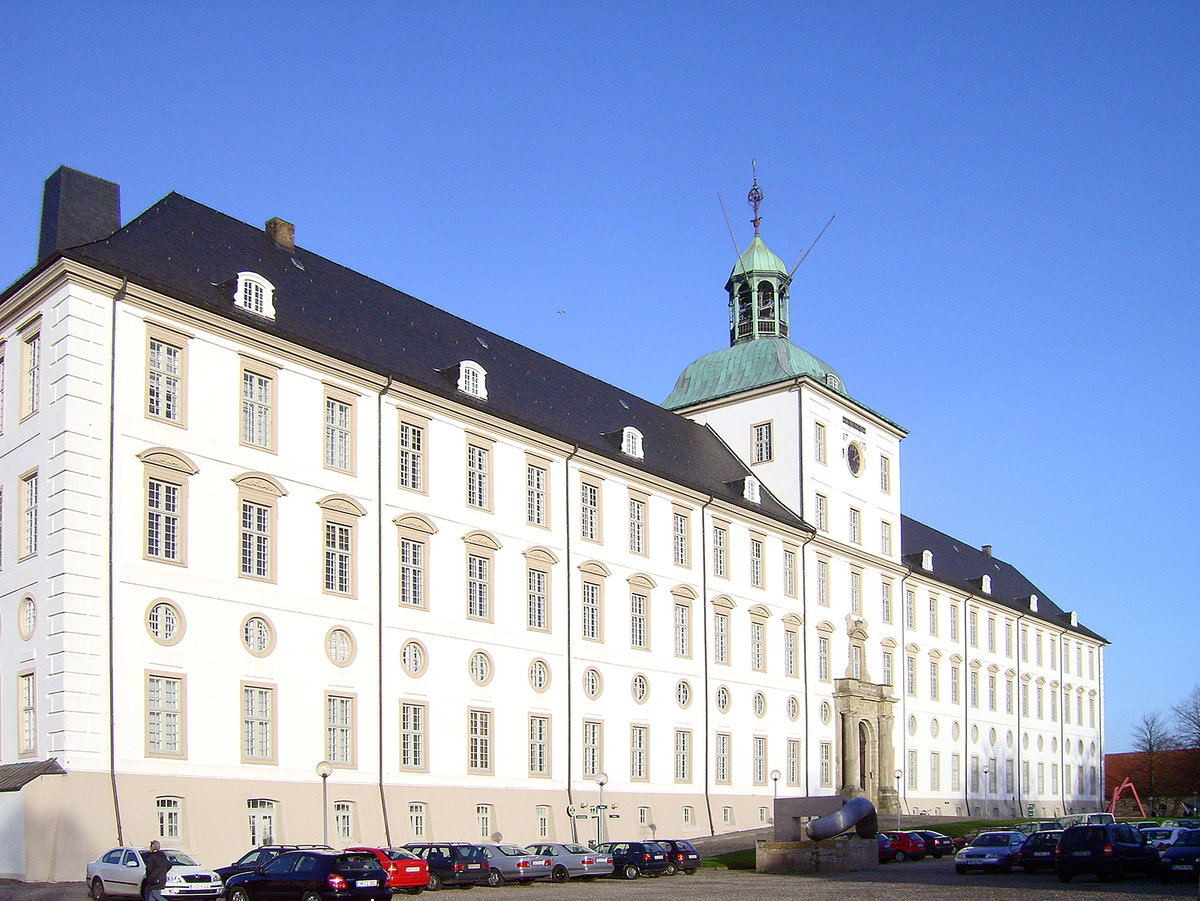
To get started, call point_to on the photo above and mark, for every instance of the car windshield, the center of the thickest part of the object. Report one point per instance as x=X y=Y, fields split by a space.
x=1155 y=834
x=468 y=851
x=179 y=859
x=1190 y=839
x=400 y=854
x=991 y=840
x=352 y=863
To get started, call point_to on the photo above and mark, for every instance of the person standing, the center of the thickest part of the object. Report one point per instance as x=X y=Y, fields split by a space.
x=157 y=864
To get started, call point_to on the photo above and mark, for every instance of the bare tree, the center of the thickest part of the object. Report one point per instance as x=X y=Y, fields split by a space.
x=1187 y=717
x=1151 y=736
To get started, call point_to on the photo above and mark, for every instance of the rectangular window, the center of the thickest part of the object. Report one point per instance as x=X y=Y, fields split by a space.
x=1040 y=695
x=683 y=755
x=823 y=658
x=826 y=764
x=479 y=741
x=539 y=745
x=1037 y=646
x=819 y=442
x=478 y=587
x=724 y=741
x=954 y=622
x=823 y=583
x=1091 y=663
x=789 y=573
x=756 y=562
x=27 y=714
x=933 y=614
x=416 y=820
x=973 y=688
x=169 y=820
x=1009 y=775
x=721 y=637
x=542 y=811
x=760 y=760
x=885 y=474
x=683 y=630
x=933 y=680
x=791 y=642
x=912 y=769
x=910 y=609
x=954 y=685
x=29 y=516
x=258 y=723
x=1008 y=695
x=164 y=716
x=343 y=819
x=256 y=540
x=164 y=379
x=339 y=729
x=910 y=675
x=412 y=456
x=637 y=526
x=589 y=511
x=539 y=606
x=885 y=599
x=955 y=773
x=535 y=495
x=885 y=538
x=1008 y=634
x=1024 y=644
x=973 y=775
x=639 y=633
x=688 y=816
x=887 y=667
x=758 y=657
x=855 y=526
x=1041 y=778
x=483 y=821
x=639 y=749
x=1066 y=708
x=822 y=512
x=1024 y=699
x=762 y=443
x=856 y=655
x=720 y=540
x=991 y=634
x=856 y=591
x=162 y=519
x=679 y=523
x=258 y=405
x=592 y=761
x=339 y=557
x=478 y=477
x=31 y=373
x=412 y=572
x=412 y=735
x=339 y=432
x=973 y=628
x=591 y=610
x=793 y=761
x=991 y=692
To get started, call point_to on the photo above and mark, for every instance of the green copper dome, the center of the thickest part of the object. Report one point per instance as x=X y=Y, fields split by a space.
x=750 y=364
x=758 y=258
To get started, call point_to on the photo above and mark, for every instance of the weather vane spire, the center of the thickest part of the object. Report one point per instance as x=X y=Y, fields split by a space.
x=754 y=197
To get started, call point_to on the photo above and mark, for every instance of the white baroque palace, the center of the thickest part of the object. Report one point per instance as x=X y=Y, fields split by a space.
x=259 y=511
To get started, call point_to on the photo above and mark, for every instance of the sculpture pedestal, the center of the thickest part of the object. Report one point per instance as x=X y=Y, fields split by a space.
x=846 y=855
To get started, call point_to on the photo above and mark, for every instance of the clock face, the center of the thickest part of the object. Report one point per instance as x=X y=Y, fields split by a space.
x=854 y=458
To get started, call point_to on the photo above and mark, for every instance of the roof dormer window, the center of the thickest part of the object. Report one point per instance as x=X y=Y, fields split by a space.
x=986 y=584
x=1033 y=603
x=472 y=379
x=927 y=561
x=631 y=442
x=832 y=381
x=256 y=294
x=751 y=490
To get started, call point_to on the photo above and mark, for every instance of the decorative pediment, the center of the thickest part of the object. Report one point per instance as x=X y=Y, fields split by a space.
x=260 y=482
x=540 y=554
x=416 y=522
x=169 y=459
x=594 y=568
x=479 y=538
x=641 y=580
x=340 y=503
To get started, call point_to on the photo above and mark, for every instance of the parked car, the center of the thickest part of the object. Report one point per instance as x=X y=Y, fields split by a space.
x=1162 y=837
x=120 y=871
x=311 y=874
x=907 y=845
x=569 y=861
x=512 y=863
x=1107 y=850
x=256 y=857
x=452 y=863
x=681 y=853
x=1038 y=851
x=937 y=844
x=406 y=872
x=1182 y=858
x=990 y=851
x=633 y=859
x=1029 y=827
x=886 y=851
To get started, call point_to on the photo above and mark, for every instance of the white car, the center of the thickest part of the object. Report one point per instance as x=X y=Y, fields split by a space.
x=120 y=871
x=1162 y=837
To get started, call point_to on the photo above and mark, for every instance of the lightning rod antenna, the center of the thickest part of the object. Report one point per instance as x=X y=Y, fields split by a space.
x=804 y=255
x=729 y=225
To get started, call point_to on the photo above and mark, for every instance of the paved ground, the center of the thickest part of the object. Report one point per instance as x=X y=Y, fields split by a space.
x=926 y=880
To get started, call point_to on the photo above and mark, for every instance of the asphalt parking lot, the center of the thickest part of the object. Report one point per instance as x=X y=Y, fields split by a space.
x=911 y=881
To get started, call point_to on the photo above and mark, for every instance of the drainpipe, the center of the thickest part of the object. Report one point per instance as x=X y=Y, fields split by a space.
x=704 y=646
x=901 y=723
x=112 y=431
x=1020 y=717
x=387 y=829
x=804 y=645
x=570 y=628
x=1062 y=729
x=966 y=702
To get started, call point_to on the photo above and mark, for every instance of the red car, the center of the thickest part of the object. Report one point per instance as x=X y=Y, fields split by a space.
x=405 y=870
x=907 y=845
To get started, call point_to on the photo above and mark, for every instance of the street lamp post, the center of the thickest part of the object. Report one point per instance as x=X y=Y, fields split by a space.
x=899 y=774
x=601 y=807
x=984 y=791
x=324 y=770
x=775 y=774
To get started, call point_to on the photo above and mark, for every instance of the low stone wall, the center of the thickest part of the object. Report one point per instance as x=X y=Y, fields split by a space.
x=844 y=855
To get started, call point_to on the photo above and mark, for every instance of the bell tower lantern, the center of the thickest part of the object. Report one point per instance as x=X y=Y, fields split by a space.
x=757 y=287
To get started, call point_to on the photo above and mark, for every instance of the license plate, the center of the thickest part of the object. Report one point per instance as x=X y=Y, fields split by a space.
x=412 y=869
x=474 y=866
x=1083 y=854
x=366 y=883
x=1182 y=866
x=1041 y=853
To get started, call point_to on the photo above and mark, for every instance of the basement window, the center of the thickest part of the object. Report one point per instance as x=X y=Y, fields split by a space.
x=256 y=294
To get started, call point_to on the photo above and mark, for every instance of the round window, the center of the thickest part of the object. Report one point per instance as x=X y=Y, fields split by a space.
x=591 y=682
x=793 y=708
x=912 y=725
x=934 y=728
x=164 y=622
x=992 y=736
x=412 y=658
x=27 y=619
x=954 y=730
x=760 y=704
x=256 y=635
x=640 y=688
x=826 y=712
x=480 y=667
x=723 y=699
x=539 y=675
x=683 y=693
x=339 y=646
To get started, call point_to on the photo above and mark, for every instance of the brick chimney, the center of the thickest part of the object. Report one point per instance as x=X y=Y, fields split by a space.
x=987 y=549
x=77 y=208
x=282 y=233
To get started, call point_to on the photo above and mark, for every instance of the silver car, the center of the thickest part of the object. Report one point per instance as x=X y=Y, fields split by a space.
x=512 y=863
x=990 y=851
x=571 y=861
x=120 y=871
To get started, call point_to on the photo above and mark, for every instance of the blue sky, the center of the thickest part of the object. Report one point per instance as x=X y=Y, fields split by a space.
x=1012 y=274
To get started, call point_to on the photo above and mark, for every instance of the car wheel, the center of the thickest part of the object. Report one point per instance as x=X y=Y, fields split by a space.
x=98 y=889
x=435 y=882
x=630 y=871
x=238 y=894
x=960 y=868
x=671 y=869
x=901 y=856
x=1064 y=877
x=690 y=872
x=559 y=874
x=310 y=896
x=495 y=878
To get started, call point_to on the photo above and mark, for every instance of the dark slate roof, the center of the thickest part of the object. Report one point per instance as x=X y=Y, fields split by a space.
x=189 y=251
x=15 y=776
x=962 y=566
